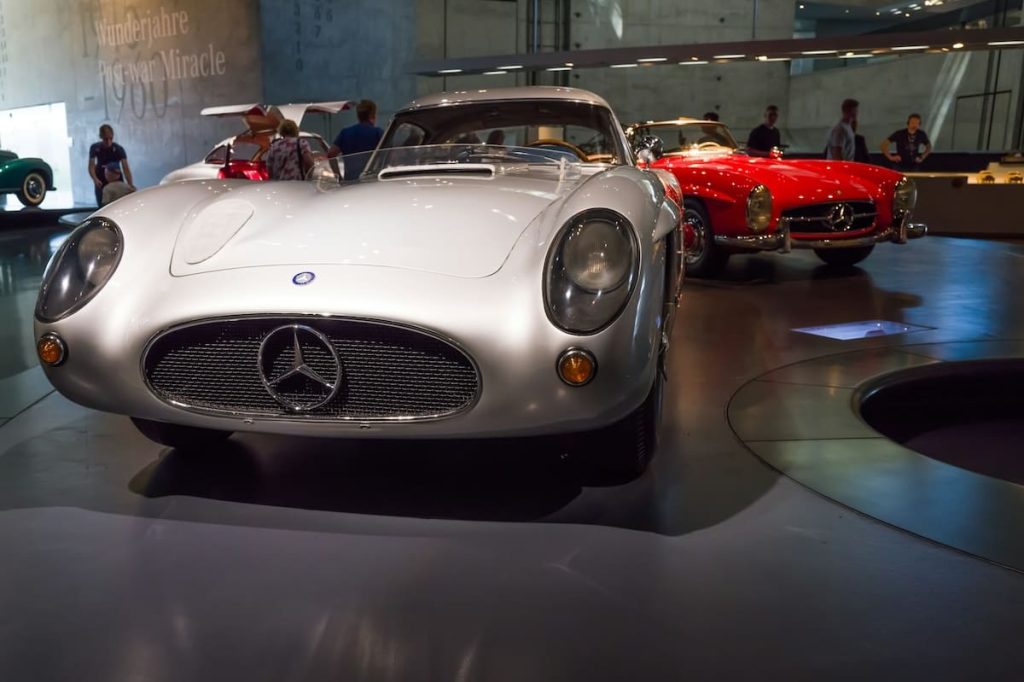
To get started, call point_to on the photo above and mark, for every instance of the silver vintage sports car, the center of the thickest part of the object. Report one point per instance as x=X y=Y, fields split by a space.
x=439 y=287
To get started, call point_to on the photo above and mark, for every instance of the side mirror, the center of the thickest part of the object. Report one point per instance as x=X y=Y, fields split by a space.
x=649 y=149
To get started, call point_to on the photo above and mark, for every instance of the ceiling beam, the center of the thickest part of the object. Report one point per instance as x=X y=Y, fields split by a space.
x=831 y=47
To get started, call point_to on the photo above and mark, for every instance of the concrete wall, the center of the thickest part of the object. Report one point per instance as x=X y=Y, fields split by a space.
x=469 y=28
x=339 y=49
x=633 y=23
x=101 y=58
x=739 y=92
x=890 y=89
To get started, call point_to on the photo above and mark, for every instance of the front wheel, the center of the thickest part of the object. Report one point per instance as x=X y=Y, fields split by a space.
x=844 y=257
x=178 y=436
x=33 y=189
x=702 y=257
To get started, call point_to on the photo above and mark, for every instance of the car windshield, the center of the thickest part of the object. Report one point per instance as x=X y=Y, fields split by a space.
x=586 y=131
x=240 y=151
x=689 y=138
x=317 y=146
x=251 y=151
x=465 y=160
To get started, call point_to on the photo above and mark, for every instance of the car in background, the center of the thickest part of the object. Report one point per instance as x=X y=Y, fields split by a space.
x=242 y=156
x=452 y=289
x=736 y=203
x=27 y=178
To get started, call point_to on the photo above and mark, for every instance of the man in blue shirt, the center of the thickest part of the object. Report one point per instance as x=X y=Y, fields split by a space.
x=103 y=154
x=358 y=139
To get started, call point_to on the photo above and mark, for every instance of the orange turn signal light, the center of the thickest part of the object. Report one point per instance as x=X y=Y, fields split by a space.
x=51 y=349
x=576 y=366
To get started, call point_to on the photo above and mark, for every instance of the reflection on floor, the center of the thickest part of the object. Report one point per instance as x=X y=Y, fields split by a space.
x=23 y=256
x=281 y=558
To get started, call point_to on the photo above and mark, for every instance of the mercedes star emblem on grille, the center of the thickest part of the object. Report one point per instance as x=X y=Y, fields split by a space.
x=299 y=367
x=840 y=218
x=303 y=278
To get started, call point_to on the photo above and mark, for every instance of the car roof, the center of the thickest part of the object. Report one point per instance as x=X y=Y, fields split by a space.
x=497 y=94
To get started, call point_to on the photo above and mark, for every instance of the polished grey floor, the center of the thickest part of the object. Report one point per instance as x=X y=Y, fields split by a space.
x=292 y=559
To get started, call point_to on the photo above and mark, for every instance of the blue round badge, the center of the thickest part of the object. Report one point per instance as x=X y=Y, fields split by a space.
x=303 y=278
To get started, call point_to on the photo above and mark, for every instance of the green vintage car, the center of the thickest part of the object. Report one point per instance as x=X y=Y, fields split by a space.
x=29 y=178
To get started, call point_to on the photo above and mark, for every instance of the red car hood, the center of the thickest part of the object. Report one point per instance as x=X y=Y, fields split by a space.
x=791 y=181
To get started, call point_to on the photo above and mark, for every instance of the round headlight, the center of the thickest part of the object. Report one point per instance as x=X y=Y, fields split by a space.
x=759 y=209
x=904 y=196
x=79 y=269
x=597 y=256
x=98 y=254
x=590 y=271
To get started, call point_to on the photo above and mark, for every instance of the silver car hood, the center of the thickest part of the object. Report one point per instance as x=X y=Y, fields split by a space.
x=446 y=224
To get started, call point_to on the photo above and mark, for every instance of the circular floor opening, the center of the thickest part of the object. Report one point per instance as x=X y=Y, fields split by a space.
x=967 y=414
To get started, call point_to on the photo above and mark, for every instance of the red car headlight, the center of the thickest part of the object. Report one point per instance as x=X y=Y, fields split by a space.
x=759 y=209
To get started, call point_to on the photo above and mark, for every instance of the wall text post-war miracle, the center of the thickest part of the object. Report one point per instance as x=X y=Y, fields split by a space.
x=165 y=64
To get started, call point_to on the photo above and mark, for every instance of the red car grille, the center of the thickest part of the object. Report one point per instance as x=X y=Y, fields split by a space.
x=847 y=216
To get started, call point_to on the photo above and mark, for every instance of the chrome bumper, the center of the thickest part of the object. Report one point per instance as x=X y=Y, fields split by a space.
x=782 y=240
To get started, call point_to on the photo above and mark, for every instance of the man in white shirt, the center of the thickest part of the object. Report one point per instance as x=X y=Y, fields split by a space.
x=842 y=140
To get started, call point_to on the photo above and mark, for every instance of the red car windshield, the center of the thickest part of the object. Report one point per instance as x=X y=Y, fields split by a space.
x=688 y=137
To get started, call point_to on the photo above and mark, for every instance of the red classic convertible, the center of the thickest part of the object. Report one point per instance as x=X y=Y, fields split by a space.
x=735 y=203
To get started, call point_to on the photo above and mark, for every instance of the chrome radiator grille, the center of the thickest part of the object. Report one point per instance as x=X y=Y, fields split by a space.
x=840 y=217
x=386 y=372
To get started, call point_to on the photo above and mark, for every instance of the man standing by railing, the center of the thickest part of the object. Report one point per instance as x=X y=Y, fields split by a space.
x=909 y=142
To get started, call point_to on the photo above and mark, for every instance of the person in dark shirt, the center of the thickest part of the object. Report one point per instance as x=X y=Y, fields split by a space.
x=104 y=153
x=909 y=142
x=362 y=137
x=765 y=136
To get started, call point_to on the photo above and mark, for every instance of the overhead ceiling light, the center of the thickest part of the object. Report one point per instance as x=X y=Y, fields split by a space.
x=495 y=73
x=559 y=68
x=624 y=66
x=730 y=56
x=957 y=46
x=810 y=52
x=852 y=55
x=910 y=47
x=699 y=61
x=509 y=68
x=450 y=71
x=997 y=43
x=775 y=59
x=653 y=59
